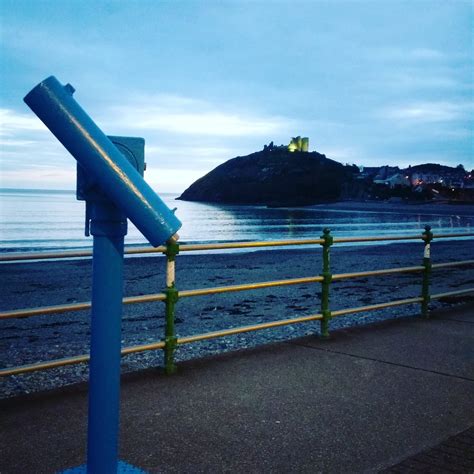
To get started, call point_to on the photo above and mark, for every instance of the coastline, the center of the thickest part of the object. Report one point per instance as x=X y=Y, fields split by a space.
x=413 y=207
x=57 y=282
x=208 y=223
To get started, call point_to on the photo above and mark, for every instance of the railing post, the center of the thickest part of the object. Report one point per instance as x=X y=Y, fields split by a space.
x=327 y=278
x=427 y=237
x=172 y=249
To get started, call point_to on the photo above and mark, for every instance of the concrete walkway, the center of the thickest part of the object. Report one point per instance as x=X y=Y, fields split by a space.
x=370 y=399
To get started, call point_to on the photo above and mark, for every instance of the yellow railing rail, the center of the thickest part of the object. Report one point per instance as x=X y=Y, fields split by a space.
x=16 y=257
x=466 y=291
x=325 y=278
x=226 y=332
x=67 y=308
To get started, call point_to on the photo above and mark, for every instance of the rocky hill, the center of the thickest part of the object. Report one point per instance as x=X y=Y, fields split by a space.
x=275 y=177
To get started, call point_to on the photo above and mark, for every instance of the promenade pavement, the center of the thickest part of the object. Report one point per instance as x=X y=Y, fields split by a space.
x=396 y=396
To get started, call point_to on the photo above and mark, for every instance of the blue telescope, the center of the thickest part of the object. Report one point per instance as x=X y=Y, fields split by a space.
x=114 y=191
x=54 y=104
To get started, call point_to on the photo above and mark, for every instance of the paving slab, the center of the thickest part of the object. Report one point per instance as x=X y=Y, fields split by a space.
x=443 y=344
x=288 y=407
x=464 y=315
x=456 y=454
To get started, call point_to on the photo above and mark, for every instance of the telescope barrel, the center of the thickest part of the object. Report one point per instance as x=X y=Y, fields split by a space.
x=54 y=104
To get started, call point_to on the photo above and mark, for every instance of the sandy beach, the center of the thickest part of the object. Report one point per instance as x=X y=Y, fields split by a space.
x=46 y=337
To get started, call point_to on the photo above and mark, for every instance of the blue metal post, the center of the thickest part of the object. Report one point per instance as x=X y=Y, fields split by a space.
x=108 y=226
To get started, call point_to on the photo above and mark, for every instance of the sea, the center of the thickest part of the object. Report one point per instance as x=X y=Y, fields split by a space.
x=45 y=220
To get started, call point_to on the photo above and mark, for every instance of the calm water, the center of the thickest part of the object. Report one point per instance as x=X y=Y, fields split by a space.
x=47 y=220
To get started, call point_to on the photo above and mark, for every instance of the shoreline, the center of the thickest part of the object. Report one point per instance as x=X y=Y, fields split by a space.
x=58 y=282
x=460 y=213
x=464 y=208
x=460 y=219
x=414 y=207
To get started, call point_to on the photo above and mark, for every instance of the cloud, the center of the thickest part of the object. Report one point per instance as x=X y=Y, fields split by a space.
x=187 y=116
x=26 y=143
x=39 y=177
x=421 y=79
x=428 y=112
x=12 y=123
x=202 y=153
x=172 y=179
x=11 y=142
x=408 y=54
x=31 y=154
x=199 y=151
x=342 y=154
x=425 y=53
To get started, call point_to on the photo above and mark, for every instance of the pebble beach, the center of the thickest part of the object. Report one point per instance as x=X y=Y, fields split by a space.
x=46 y=337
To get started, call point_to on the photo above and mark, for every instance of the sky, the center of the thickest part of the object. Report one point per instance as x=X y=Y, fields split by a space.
x=369 y=82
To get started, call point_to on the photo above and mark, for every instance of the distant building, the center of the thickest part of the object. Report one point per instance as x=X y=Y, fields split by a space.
x=432 y=173
x=368 y=171
x=384 y=172
x=468 y=182
x=398 y=179
x=299 y=144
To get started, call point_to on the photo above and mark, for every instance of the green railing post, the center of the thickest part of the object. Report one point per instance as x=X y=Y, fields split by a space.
x=327 y=278
x=172 y=249
x=427 y=237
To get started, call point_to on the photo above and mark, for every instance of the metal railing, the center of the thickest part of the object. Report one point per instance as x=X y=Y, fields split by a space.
x=171 y=295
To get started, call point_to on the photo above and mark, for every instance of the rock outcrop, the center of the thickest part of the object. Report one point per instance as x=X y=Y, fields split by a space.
x=274 y=177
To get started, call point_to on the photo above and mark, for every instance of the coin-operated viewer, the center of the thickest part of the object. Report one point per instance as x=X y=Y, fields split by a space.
x=110 y=181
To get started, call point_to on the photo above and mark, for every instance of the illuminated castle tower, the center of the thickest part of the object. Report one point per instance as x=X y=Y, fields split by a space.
x=299 y=144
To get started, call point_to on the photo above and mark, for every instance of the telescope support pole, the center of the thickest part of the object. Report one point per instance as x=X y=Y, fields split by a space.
x=108 y=226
